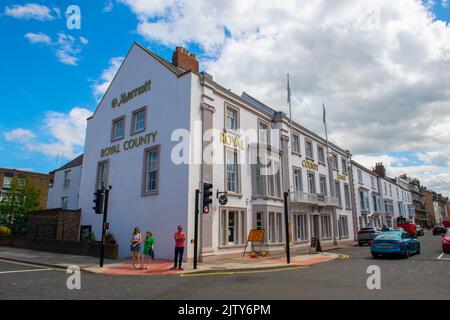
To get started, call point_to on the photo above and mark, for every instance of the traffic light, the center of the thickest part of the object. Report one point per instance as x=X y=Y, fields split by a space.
x=98 y=200
x=207 y=193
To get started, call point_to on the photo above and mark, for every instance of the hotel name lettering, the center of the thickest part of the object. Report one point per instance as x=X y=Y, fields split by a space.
x=129 y=144
x=310 y=165
x=127 y=96
x=232 y=141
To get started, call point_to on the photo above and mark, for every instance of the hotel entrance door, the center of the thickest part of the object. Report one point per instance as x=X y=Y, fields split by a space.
x=315 y=231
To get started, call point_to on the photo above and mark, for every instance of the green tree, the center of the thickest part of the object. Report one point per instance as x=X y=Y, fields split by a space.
x=17 y=203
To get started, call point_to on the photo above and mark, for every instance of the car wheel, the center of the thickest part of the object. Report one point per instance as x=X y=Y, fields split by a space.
x=375 y=255
x=418 y=249
x=360 y=244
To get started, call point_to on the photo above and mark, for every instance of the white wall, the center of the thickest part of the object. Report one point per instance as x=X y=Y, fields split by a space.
x=57 y=191
x=168 y=108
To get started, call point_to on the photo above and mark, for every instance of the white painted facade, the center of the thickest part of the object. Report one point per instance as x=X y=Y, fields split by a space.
x=368 y=200
x=65 y=190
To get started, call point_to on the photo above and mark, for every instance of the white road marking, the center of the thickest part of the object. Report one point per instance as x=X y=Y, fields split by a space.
x=440 y=257
x=30 y=270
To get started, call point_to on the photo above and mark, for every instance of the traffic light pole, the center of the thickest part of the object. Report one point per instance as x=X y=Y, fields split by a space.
x=197 y=193
x=286 y=223
x=105 y=216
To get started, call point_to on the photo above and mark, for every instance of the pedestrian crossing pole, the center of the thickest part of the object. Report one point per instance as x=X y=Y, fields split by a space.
x=286 y=223
x=104 y=226
x=197 y=193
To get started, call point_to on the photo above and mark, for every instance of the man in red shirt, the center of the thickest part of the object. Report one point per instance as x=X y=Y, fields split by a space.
x=180 y=238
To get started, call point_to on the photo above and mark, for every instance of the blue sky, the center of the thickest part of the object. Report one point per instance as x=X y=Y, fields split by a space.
x=48 y=73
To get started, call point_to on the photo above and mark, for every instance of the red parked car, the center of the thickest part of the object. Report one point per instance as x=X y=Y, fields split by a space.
x=408 y=227
x=446 y=241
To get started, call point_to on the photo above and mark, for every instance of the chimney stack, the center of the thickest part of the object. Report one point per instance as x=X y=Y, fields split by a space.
x=185 y=60
x=380 y=170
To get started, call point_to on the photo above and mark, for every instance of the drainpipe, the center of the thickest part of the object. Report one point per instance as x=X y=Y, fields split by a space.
x=353 y=195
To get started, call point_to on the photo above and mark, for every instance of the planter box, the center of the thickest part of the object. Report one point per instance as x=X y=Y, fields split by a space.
x=80 y=248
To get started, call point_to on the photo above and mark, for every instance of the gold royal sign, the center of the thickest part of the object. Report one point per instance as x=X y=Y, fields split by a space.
x=232 y=141
x=310 y=165
x=127 y=96
x=129 y=144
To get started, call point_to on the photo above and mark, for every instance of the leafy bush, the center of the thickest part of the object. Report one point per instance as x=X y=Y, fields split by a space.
x=88 y=237
x=4 y=231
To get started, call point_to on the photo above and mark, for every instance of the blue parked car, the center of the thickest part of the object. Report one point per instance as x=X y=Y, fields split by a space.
x=394 y=243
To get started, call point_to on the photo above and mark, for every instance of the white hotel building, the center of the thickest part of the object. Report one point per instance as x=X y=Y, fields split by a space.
x=380 y=200
x=147 y=139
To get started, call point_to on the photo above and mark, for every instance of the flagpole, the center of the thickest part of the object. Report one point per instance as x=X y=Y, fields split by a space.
x=290 y=110
x=326 y=130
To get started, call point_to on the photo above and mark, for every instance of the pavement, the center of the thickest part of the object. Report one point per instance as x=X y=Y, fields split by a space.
x=161 y=267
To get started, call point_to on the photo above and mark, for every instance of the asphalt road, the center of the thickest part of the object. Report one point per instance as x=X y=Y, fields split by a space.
x=422 y=276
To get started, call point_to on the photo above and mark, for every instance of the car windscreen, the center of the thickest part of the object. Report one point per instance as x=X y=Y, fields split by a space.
x=388 y=236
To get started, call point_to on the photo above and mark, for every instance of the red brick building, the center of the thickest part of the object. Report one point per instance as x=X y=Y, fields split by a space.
x=40 y=180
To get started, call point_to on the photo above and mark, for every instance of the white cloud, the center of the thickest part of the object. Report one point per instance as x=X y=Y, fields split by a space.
x=30 y=11
x=38 y=38
x=433 y=176
x=100 y=86
x=108 y=6
x=19 y=135
x=66 y=48
x=381 y=67
x=61 y=134
x=64 y=133
x=84 y=41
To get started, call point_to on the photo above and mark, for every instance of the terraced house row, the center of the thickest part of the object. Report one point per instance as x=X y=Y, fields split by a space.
x=203 y=132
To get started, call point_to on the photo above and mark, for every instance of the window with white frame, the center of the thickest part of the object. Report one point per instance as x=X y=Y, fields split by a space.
x=232 y=171
x=385 y=189
x=390 y=190
x=295 y=143
x=334 y=158
x=7 y=180
x=388 y=206
x=298 y=180
x=152 y=170
x=64 y=202
x=139 y=120
x=343 y=227
x=274 y=180
x=321 y=154
x=259 y=222
x=360 y=176
x=66 y=178
x=275 y=227
x=364 y=200
x=344 y=166
x=232 y=227
x=323 y=185
x=376 y=203
x=258 y=179
x=102 y=174
x=311 y=182
x=231 y=119
x=118 y=131
x=326 y=227
x=309 y=149
x=373 y=182
x=21 y=181
x=301 y=223
x=337 y=191
x=263 y=133
x=347 y=196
